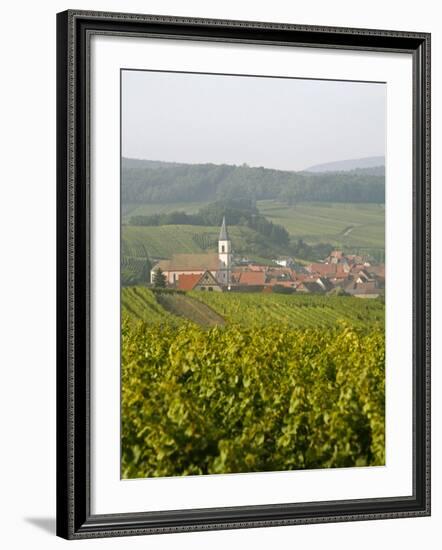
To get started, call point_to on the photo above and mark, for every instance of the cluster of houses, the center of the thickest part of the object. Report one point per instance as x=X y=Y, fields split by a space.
x=217 y=272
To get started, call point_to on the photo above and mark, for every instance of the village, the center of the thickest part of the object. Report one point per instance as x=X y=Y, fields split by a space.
x=339 y=273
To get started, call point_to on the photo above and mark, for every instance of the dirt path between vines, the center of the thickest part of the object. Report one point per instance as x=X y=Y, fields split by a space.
x=189 y=308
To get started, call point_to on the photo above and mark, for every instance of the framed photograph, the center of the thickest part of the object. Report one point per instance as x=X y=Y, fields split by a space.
x=243 y=274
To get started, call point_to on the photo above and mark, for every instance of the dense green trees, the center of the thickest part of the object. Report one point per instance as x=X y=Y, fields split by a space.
x=301 y=249
x=154 y=182
x=159 y=279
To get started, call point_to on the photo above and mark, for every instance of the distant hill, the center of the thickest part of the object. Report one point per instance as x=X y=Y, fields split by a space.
x=156 y=182
x=127 y=163
x=347 y=165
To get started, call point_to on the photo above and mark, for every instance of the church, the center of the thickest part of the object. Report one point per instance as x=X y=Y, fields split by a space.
x=215 y=266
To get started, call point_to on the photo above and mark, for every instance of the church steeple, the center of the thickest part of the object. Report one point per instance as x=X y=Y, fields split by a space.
x=223 y=235
x=224 y=255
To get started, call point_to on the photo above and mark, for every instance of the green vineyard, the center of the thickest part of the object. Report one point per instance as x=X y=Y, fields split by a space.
x=165 y=240
x=135 y=264
x=134 y=270
x=225 y=383
x=140 y=304
x=359 y=227
x=248 y=399
x=205 y=241
x=296 y=310
x=185 y=307
x=252 y=309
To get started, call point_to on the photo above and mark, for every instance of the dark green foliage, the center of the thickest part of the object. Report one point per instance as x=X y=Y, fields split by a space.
x=238 y=399
x=315 y=252
x=159 y=279
x=170 y=218
x=281 y=289
x=147 y=182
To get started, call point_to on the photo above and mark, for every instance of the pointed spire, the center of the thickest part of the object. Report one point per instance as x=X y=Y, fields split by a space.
x=223 y=235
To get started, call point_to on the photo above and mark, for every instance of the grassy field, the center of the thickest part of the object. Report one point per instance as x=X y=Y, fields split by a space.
x=251 y=309
x=349 y=225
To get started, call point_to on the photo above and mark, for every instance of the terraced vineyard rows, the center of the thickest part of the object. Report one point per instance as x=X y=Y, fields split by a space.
x=140 y=304
x=326 y=222
x=252 y=309
x=134 y=270
x=135 y=264
x=165 y=240
x=206 y=241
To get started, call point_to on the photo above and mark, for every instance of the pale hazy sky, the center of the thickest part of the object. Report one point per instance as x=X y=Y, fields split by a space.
x=282 y=123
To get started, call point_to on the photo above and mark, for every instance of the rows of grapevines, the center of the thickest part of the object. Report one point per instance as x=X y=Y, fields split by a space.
x=264 y=398
x=139 y=303
x=298 y=310
x=134 y=270
x=205 y=241
x=133 y=249
x=135 y=265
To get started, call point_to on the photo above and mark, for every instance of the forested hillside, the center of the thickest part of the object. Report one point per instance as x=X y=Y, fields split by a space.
x=375 y=164
x=162 y=182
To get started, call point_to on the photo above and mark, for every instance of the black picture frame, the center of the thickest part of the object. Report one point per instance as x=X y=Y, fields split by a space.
x=74 y=518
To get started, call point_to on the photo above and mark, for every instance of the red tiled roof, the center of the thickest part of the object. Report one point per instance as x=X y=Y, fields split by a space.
x=189 y=262
x=187 y=282
x=322 y=269
x=252 y=278
x=306 y=277
x=378 y=270
x=341 y=275
x=357 y=267
x=278 y=271
x=275 y=282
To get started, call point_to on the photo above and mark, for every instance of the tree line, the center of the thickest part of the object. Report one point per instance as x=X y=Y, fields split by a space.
x=240 y=212
x=157 y=182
